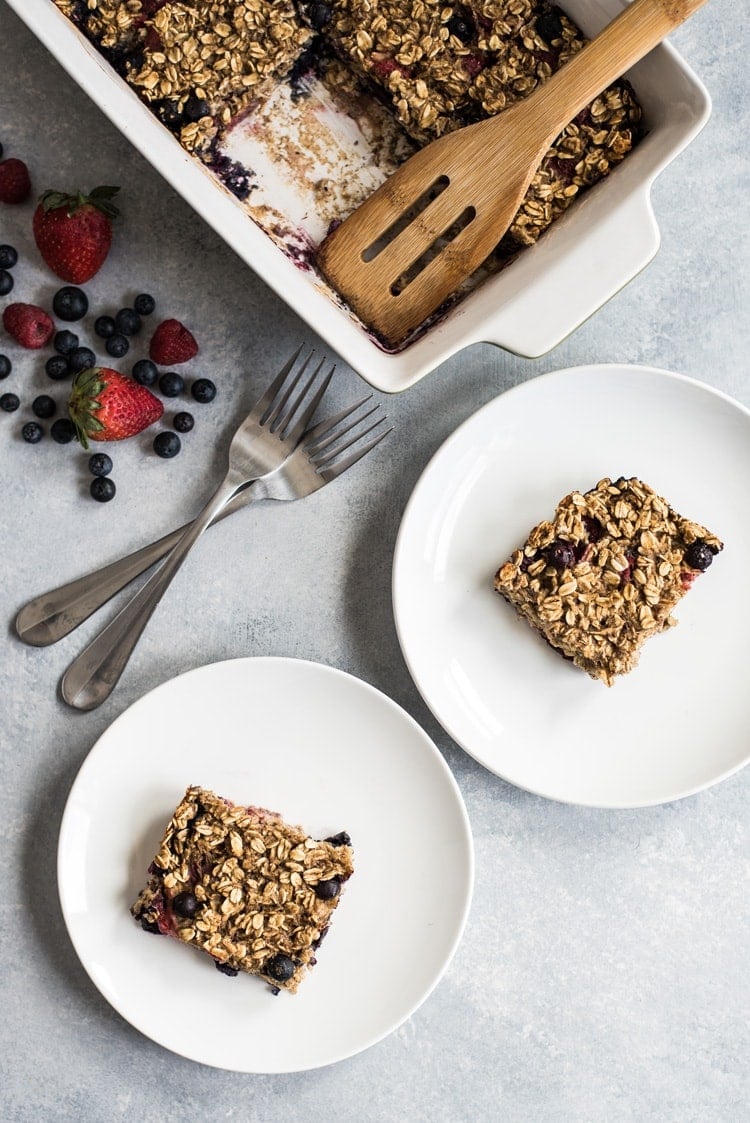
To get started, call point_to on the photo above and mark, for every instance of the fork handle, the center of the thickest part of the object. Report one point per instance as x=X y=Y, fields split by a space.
x=53 y=615
x=91 y=677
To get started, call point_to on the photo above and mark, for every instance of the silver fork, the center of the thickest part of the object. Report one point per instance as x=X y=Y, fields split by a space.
x=264 y=440
x=318 y=459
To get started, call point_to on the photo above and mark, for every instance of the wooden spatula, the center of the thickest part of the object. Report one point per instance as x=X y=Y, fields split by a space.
x=431 y=224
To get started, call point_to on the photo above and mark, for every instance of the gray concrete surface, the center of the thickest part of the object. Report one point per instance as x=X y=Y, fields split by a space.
x=603 y=973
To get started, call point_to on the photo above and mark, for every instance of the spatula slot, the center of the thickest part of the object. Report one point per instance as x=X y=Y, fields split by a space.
x=413 y=211
x=437 y=247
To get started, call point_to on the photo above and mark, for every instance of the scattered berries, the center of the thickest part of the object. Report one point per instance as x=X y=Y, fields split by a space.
x=102 y=489
x=183 y=422
x=561 y=554
x=167 y=445
x=63 y=431
x=15 y=183
x=6 y=366
x=10 y=402
x=44 y=406
x=117 y=345
x=65 y=342
x=57 y=367
x=128 y=322
x=81 y=359
x=185 y=904
x=145 y=372
x=100 y=464
x=280 y=968
x=6 y=282
x=203 y=390
x=108 y=406
x=171 y=384
x=144 y=304
x=32 y=432
x=70 y=303
x=320 y=15
x=172 y=343
x=74 y=232
x=28 y=324
x=8 y=257
x=104 y=326
x=327 y=890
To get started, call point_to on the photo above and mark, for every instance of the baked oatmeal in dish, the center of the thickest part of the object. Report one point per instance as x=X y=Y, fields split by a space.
x=239 y=883
x=604 y=574
x=204 y=65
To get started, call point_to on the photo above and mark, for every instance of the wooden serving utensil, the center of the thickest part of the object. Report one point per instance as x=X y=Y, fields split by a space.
x=402 y=253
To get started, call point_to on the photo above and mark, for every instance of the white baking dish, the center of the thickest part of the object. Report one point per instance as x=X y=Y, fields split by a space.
x=602 y=242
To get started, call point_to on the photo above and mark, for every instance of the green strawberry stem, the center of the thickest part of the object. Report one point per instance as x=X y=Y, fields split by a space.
x=84 y=402
x=100 y=198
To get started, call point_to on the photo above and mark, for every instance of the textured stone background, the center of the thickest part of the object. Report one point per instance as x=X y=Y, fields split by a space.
x=603 y=973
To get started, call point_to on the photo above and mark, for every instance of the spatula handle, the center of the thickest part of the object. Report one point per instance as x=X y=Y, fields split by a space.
x=622 y=43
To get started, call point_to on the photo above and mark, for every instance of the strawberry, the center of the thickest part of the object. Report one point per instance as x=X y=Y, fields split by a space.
x=108 y=406
x=74 y=232
x=172 y=343
x=28 y=325
x=15 y=185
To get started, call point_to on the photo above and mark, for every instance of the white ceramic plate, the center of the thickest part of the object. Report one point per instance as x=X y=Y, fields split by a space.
x=327 y=751
x=679 y=722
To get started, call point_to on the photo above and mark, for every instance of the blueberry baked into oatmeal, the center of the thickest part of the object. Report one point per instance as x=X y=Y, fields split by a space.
x=202 y=64
x=605 y=573
x=239 y=883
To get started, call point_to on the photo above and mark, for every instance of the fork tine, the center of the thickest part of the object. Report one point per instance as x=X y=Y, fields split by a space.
x=327 y=458
x=262 y=405
x=296 y=431
x=328 y=423
x=316 y=448
x=338 y=469
x=271 y=415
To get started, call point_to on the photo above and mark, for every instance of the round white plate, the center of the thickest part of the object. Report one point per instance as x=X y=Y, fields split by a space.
x=681 y=720
x=325 y=750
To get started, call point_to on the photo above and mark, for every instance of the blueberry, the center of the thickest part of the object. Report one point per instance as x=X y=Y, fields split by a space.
x=32 y=432
x=340 y=839
x=185 y=904
x=57 y=367
x=150 y=926
x=6 y=282
x=63 y=431
x=594 y=528
x=461 y=27
x=8 y=257
x=70 y=303
x=327 y=890
x=100 y=464
x=280 y=968
x=128 y=322
x=183 y=422
x=44 y=406
x=81 y=359
x=10 y=402
x=169 y=113
x=102 y=490
x=145 y=372
x=104 y=326
x=549 y=26
x=65 y=342
x=561 y=554
x=320 y=15
x=144 y=304
x=117 y=345
x=167 y=445
x=171 y=384
x=195 y=108
x=699 y=554
x=203 y=390
x=6 y=366
x=226 y=969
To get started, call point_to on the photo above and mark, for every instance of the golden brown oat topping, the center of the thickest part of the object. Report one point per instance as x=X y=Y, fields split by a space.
x=256 y=883
x=605 y=573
